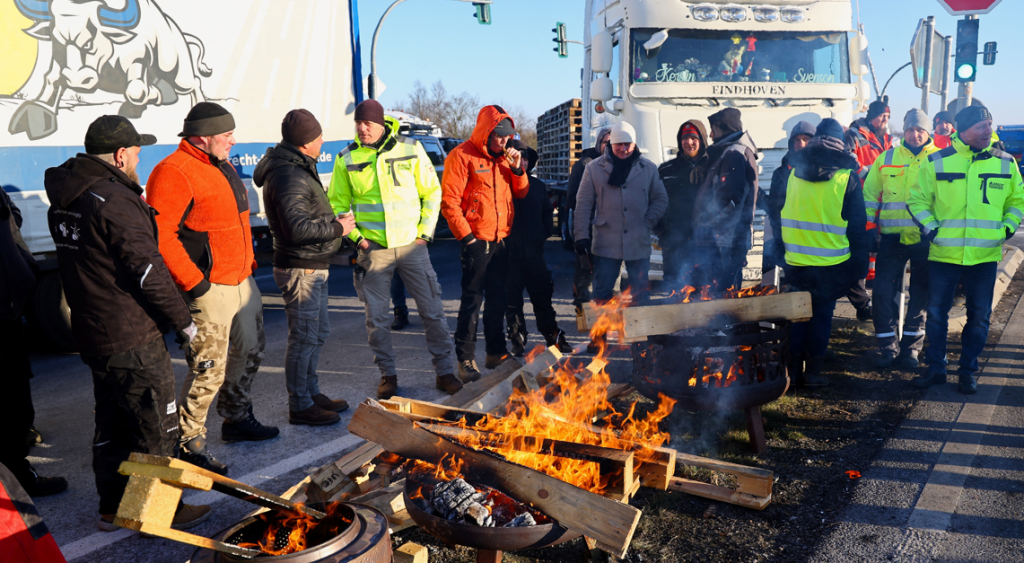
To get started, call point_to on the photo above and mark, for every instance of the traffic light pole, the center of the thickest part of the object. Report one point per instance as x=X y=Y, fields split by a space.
x=926 y=80
x=945 y=73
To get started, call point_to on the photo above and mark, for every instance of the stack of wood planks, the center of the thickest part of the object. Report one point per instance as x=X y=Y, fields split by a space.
x=559 y=140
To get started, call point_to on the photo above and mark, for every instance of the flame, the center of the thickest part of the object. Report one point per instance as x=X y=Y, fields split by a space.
x=715 y=373
x=449 y=468
x=299 y=526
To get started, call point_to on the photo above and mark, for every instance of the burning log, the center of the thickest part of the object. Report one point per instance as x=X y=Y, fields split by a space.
x=498 y=395
x=458 y=500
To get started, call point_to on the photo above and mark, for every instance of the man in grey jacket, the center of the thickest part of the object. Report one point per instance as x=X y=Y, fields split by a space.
x=627 y=196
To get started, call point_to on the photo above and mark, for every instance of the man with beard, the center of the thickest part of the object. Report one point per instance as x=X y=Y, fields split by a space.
x=871 y=134
x=943 y=123
x=724 y=208
x=682 y=177
x=584 y=279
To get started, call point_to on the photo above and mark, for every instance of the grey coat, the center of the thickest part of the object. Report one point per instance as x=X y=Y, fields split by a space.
x=624 y=216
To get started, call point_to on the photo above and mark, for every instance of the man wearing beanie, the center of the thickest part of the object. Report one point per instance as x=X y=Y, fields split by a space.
x=203 y=220
x=387 y=181
x=481 y=176
x=823 y=233
x=682 y=177
x=870 y=134
x=799 y=136
x=122 y=300
x=724 y=208
x=944 y=124
x=306 y=236
x=886 y=190
x=968 y=202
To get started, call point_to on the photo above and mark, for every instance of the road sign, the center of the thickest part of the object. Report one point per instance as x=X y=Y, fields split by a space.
x=968 y=7
x=917 y=57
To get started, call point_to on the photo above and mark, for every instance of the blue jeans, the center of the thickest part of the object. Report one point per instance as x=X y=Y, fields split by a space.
x=978 y=282
x=305 y=306
x=812 y=336
x=606 y=271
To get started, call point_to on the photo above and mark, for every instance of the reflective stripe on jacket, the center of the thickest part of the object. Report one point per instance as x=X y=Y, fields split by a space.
x=813 y=228
x=392 y=191
x=888 y=186
x=972 y=198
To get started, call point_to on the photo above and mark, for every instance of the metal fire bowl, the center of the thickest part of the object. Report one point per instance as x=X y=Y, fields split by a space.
x=366 y=540
x=494 y=539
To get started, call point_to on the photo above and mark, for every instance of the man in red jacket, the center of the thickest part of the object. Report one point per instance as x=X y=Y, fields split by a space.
x=870 y=135
x=481 y=176
x=944 y=125
x=206 y=241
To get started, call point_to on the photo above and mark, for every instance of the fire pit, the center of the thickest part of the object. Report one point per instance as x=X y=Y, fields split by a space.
x=738 y=367
x=356 y=534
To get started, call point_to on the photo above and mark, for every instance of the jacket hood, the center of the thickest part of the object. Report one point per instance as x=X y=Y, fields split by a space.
x=703 y=137
x=488 y=118
x=740 y=138
x=529 y=153
x=283 y=154
x=801 y=128
x=821 y=159
x=69 y=180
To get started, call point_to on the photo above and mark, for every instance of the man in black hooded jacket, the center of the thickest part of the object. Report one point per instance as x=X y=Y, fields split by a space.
x=682 y=176
x=583 y=280
x=798 y=138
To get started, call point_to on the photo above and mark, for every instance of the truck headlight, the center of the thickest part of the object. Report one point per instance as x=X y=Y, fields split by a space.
x=766 y=13
x=704 y=12
x=792 y=15
x=733 y=13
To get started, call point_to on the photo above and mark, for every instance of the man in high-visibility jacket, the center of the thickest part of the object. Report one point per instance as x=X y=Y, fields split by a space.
x=825 y=240
x=968 y=201
x=886 y=190
x=390 y=185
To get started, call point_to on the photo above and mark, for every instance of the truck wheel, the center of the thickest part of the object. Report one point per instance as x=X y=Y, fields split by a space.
x=51 y=312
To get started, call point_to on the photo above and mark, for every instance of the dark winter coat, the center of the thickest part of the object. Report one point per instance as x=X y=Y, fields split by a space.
x=115 y=281
x=724 y=209
x=298 y=210
x=533 y=223
x=17 y=266
x=682 y=177
x=818 y=162
x=777 y=196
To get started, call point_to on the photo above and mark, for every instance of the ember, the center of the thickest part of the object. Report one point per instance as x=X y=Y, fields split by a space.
x=706 y=293
x=284 y=533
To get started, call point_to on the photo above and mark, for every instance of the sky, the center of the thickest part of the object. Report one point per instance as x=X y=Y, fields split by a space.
x=511 y=61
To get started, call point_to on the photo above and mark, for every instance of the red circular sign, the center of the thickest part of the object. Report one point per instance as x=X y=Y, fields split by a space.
x=968 y=7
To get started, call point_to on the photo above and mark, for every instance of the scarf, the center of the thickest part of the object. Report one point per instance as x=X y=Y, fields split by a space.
x=621 y=167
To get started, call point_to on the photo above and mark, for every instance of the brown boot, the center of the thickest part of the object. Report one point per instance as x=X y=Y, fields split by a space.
x=494 y=360
x=448 y=383
x=388 y=387
x=313 y=416
x=328 y=404
x=190 y=515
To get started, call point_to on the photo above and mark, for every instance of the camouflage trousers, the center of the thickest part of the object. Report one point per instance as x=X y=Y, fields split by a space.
x=224 y=356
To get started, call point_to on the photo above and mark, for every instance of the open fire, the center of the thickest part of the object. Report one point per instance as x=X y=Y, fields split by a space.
x=284 y=533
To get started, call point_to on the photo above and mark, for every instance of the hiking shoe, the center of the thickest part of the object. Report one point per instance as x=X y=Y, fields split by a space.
x=189 y=516
x=401 y=318
x=928 y=379
x=388 y=387
x=885 y=359
x=494 y=360
x=908 y=360
x=328 y=404
x=195 y=452
x=448 y=383
x=247 y=430
x=518 y=344
x=37 y=486
x=865 y=314
x=33 y=437
x=313 y=416
x=558 y=339
x=106 y=525
x=968 y=384
x=468 y=371
x=812 y=378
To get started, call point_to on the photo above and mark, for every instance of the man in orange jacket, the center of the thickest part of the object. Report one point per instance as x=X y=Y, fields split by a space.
x=481 y=176
x=870 y=136
x=206 y=241
x=945 y=125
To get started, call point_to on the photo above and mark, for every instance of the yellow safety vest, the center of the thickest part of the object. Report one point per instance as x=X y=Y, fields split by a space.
x=813 y=228
x=888 y=186
x=972 y=198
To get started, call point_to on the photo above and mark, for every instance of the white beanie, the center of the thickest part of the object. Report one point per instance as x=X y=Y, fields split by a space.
x=623 y=132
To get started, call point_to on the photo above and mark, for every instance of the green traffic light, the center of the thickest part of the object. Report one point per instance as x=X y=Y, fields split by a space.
x=965 y=72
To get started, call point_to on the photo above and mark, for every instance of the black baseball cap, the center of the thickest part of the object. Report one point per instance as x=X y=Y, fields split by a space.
x=111 y=132
x=504 y=128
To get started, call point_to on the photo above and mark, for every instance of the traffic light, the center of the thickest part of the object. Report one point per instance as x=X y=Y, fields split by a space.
x=483 y=13
x=966 y=67
x=563 y=47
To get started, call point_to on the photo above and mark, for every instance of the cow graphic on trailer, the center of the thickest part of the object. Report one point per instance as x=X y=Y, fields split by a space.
x=127 y=47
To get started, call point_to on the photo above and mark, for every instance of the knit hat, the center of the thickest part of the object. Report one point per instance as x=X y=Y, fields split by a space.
x=878 y=107
x=830 y=128
x=970 y=116
x=728 y=120
x=111 y=132
x=300 y=127
x=370 y=110
x=915 y=118
x=207 y=119
x=623 y=132
x=504 y=128
x=945 y=117
x=689 y=130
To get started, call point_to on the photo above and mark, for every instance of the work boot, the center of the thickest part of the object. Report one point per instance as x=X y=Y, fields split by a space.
x=195 y=452
x=190 y=515
x=865 y=314
x=928 y=379
x=558 y=339
x=468 y=371
x=518 y=341
x=908 y=359
x=401 y=318
x=494 y=360
x=448 y=383
x=247 y=430
x=328 y=404
x=885 y=359
x=968 y=384
x=812 y=373
x=37 y=486
x=33 y=437
x=106 y=523
x=388 y=387
x=313 y=416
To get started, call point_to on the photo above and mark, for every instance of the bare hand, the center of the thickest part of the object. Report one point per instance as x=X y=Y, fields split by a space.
x=514 y=157
x=347 y=221
x=364 y=244
x=421 y=242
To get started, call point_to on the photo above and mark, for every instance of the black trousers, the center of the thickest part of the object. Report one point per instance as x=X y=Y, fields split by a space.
x=484 y=274
x=858 y=295
x=135 y=412
x=529 y=271
x=891 y=262
x=16 y=412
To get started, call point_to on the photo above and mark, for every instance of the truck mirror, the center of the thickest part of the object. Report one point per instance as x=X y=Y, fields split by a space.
x=601 y=52
x=602 y=89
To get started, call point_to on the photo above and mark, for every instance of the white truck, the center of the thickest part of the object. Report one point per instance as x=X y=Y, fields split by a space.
x=659 y=63
x=68 y=62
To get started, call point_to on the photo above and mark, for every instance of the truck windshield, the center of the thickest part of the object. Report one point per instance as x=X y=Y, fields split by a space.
x=740 y=56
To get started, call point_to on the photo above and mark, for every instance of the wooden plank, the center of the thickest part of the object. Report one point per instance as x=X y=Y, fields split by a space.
x=148 y=499
x=182 y=478
x=715 y=492
x=411 y=553
x=750 y=480
x=472 y=391
x=498 y=395
x=184 y=537
x=609 y=522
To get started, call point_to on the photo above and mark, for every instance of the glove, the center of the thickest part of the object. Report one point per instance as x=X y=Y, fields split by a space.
x=931 y=236
x=583 y=246
x=186 y=336
x=467 y=240
x=1010 y=233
